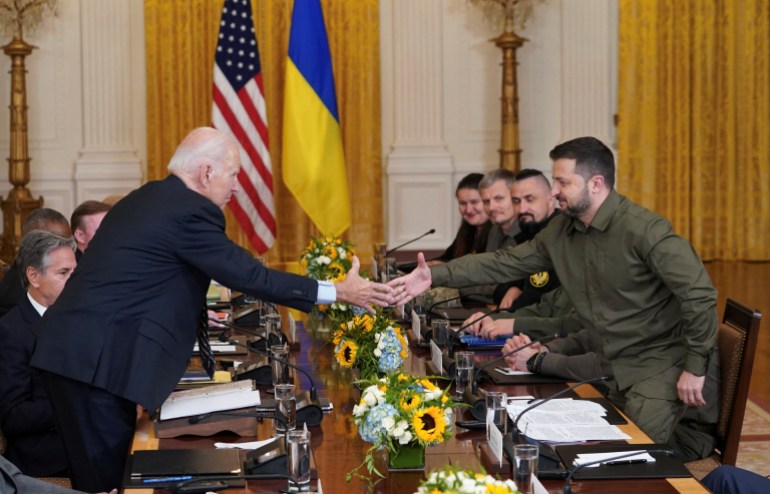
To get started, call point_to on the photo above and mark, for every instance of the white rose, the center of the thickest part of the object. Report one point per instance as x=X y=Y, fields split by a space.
x=359 y=410
x=377 y=352
x=388 y=423
x=324 y=260
x=341 y=252
x=406 y=438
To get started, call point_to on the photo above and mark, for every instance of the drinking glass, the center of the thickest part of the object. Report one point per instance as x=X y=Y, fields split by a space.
x=463 y=373
x=273 y=328
x=298 y=444
x=496 y=412
x=281 y=372
x=440 y=329
x=390 y=271
x=285 y=408
x=524 y=466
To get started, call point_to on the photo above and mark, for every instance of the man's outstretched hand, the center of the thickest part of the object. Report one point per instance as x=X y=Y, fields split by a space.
x=405 y=288
x=363 y=293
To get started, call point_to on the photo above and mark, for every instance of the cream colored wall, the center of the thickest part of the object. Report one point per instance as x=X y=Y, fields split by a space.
x=441 y=81
x=86 y=98
x=440 y=100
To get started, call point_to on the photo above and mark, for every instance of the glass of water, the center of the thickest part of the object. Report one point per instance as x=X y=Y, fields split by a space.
x=285 y=408
x=440 y=329
x=463 y=373
x=273 y=328
x=281 y=372
x=298 y=444
x=497 y=414
x=524 y=466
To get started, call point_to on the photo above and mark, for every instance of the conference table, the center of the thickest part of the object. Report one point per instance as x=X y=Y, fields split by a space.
x=337 y=447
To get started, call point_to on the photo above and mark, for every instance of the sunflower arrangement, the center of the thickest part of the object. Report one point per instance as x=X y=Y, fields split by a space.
x=401 y=410
x=328 y=259
x=453 y=480
x=371 y=343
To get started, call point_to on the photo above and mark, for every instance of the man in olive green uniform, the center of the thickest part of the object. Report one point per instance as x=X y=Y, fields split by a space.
x=639 y=289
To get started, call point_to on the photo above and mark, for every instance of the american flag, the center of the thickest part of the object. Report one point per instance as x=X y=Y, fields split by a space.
x=239 y=110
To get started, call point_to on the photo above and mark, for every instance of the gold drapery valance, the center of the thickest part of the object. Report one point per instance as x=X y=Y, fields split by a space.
x=181 y=38
x=694 y=119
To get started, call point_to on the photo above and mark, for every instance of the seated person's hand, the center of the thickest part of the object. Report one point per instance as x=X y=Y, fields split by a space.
x=491 y=328
x=474 y=328
x=510 y=297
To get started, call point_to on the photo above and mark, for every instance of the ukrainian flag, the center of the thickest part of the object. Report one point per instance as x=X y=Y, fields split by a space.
x=313 y=160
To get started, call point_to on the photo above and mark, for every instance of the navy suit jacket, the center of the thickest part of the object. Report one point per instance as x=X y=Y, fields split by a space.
x=11 y=290
x=26 y=416
x=126 y=320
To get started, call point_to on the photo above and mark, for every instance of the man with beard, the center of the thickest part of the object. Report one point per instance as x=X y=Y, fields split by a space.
x=639 y=290
x=531 y=195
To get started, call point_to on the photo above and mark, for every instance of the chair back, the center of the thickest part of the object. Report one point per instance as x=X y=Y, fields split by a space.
x=738 y=334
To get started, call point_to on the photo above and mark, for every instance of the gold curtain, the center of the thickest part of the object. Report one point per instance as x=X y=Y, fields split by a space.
x=694 y=119
x=181 y=38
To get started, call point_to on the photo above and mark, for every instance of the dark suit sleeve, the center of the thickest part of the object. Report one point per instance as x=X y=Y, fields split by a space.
x=21 y=412
x=203 y=244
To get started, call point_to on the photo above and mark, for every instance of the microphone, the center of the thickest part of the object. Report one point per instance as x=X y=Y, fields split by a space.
x=556 y=395
x=309 y=408
x=568 y=489
x=429 y=232
x=313 y=394
x=477 y=403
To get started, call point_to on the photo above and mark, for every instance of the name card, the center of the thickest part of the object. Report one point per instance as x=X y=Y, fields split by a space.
x=292 y=328
x=436 y=356
x=495 y=441
x=416 y=327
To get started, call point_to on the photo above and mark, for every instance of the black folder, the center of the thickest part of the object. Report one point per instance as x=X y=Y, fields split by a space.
x=150 y=468
x=663 y=467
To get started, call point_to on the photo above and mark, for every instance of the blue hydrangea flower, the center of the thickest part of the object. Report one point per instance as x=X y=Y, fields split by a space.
x=372 y=430
x=390 y=346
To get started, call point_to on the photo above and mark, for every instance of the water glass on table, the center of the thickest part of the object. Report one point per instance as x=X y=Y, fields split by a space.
x=463 y=373
x=440 y=329
x=281 y=371
x=298 y=445
x=285 y=408
x=524 y=466
x=497 y=413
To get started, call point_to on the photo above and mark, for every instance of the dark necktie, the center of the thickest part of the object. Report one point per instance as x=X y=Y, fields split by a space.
x=204 y=347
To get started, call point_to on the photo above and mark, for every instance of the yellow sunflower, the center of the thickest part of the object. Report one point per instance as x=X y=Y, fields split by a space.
x=402 y=377
x=409 y=402
x=497 y=489
x=338 y=337
x=429 y=386
x=346 y=355
x=330 y=252
x=429 y=425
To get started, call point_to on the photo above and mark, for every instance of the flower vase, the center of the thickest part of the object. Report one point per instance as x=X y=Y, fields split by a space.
x=407 y=457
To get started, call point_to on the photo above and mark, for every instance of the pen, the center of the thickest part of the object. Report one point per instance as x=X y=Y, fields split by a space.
x=167 y=479
x=626 y=462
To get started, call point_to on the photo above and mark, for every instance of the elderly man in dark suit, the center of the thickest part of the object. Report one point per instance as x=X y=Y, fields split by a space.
x=123 y=329
x=26 y=417
x=12 y=481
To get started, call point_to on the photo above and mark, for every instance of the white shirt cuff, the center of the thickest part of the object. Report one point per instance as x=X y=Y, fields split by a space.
x=327 y=293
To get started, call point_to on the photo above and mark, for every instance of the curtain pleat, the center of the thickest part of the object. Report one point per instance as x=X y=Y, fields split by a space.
x=694 y=119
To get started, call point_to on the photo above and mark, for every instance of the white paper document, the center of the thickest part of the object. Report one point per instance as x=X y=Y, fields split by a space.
x=612 y=458
x=209 y=399
x=249 y=445
x=564 y=420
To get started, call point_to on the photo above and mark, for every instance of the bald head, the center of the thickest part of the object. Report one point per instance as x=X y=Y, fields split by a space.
x=208 y=161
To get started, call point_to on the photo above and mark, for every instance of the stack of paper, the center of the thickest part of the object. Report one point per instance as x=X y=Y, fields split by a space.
x=565 y=421
x=209 y=399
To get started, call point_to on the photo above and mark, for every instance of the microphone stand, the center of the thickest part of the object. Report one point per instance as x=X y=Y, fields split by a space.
x=309 y=409
x=477 y=403
x=429 y=232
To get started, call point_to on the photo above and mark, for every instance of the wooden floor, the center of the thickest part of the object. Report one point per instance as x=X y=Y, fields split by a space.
x=748 y=283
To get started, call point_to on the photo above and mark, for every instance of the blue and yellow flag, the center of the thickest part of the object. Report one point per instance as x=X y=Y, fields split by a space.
x=313 y=160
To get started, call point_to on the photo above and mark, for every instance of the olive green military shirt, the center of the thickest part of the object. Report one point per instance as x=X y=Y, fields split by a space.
x=553 y=314
x=639 y=288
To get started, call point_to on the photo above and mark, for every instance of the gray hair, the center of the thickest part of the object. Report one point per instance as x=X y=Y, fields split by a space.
x=497 y=175
x=202 y=146
x=34 y=249
x=40 y=217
